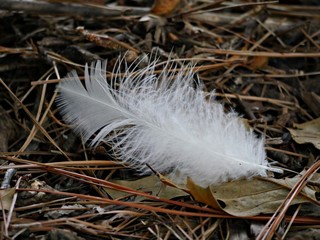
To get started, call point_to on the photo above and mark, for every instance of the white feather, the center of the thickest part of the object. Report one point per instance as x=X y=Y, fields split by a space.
x=161 y=120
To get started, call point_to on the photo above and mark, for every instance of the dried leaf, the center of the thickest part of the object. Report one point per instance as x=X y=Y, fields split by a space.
x=259 y=62
x=150 y=184
x=203 y=195
x=250 y=197
x=308 y=132
x=6 y=196
x=163 y=7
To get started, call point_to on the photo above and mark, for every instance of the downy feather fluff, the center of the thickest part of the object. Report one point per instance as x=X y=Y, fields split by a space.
x=163 y=121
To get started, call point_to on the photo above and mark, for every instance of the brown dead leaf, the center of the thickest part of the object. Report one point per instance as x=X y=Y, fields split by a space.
x=201 y=194
x=250 y=197
x=6 y=196
x=164 y=7
x=308 y=132
x=259 y=62
x=150 y=184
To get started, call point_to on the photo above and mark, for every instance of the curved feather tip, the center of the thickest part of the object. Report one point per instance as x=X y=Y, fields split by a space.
x=163 y=121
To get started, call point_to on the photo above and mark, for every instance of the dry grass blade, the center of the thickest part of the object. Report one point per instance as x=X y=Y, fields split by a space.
x=33 y=118
x=274 y=222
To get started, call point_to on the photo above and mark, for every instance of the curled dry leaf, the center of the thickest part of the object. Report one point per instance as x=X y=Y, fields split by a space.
x=164 y=7
x=259 y=62
x=251 y=197
x=308 y=132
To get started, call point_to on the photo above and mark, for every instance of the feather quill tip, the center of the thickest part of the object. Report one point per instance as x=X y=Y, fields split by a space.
x=163 y=121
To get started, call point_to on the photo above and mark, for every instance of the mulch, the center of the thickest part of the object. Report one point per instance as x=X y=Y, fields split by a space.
x=260 y=58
